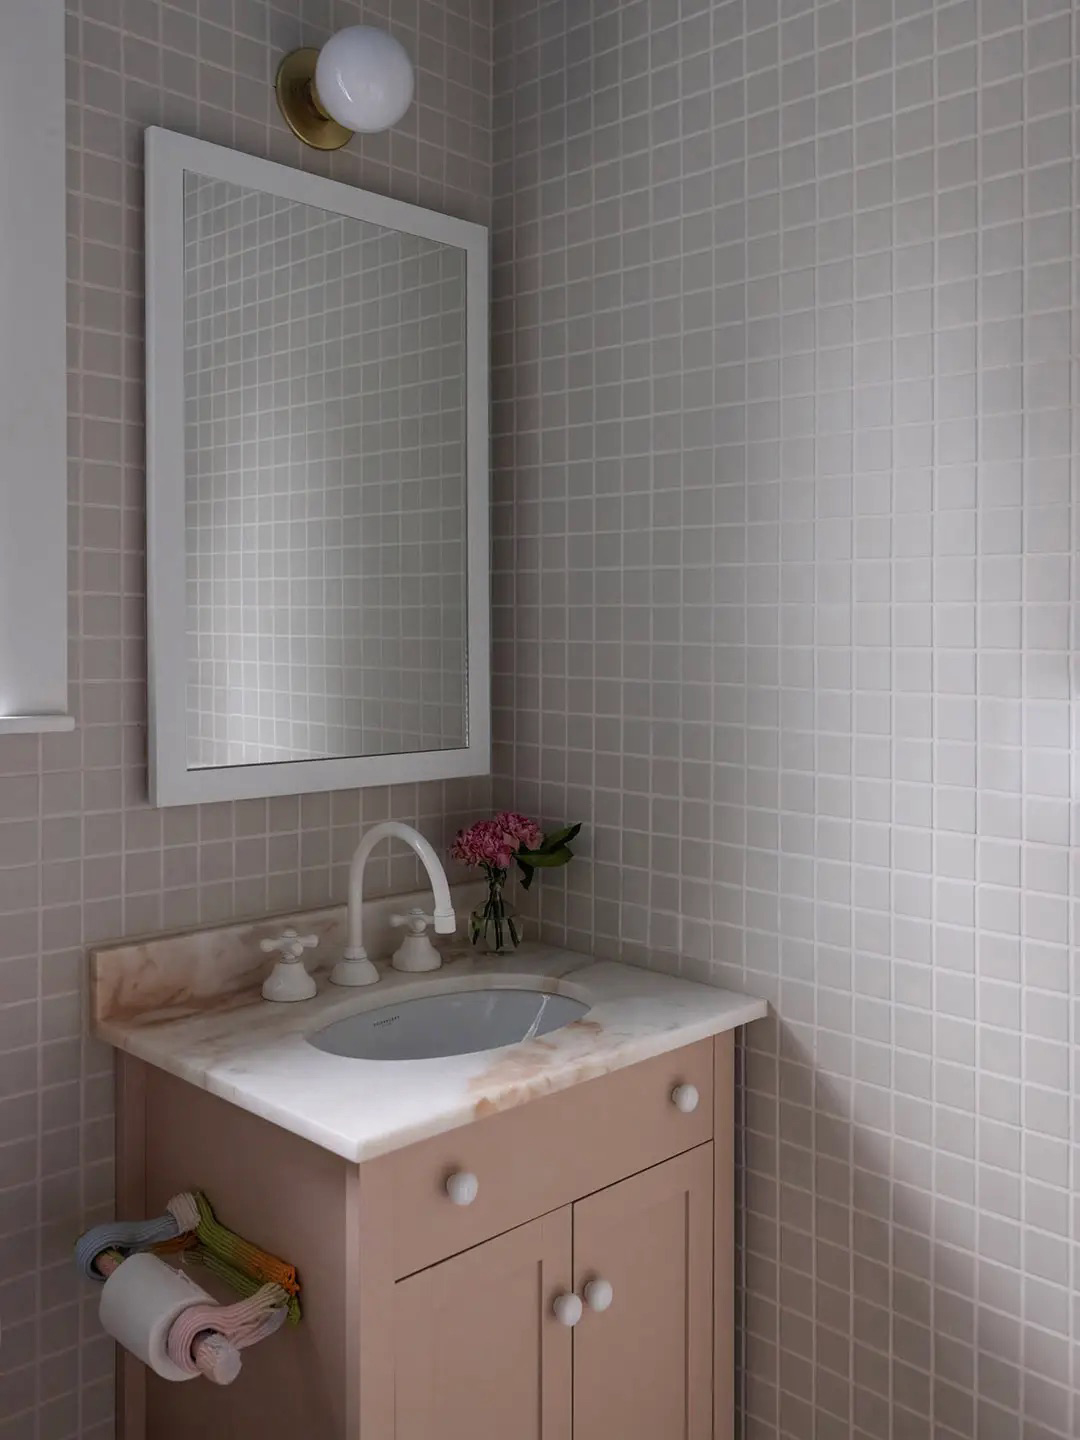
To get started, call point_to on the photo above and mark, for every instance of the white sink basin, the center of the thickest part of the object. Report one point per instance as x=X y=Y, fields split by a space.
x=459 y=1023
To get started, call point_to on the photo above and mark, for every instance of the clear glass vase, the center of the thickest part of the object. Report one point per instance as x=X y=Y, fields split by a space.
x=493 y=925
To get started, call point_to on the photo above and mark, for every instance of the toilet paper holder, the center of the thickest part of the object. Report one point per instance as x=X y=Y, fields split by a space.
x=139 y=1307
x=161 y=1315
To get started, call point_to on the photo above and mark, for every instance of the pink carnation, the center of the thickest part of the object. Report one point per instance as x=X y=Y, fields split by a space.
x=493 y=843
x=525 y=831
x=485 y=843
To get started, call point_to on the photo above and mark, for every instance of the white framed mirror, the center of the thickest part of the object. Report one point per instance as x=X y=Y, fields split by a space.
x=317 y=482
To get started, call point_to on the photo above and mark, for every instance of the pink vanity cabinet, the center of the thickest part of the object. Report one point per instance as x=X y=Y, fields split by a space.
x=583 y=1291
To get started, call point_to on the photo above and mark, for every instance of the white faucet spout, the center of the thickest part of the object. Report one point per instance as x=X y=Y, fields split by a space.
x=356 y=967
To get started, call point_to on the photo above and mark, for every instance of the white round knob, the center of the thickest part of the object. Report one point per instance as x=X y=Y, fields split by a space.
x=599 y=1294
x=462 y=1187
x=567 y=1309
x=685 y=1098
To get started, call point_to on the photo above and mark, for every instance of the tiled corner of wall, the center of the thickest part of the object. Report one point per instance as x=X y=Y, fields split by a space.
x=786 y=612
x=82 y=856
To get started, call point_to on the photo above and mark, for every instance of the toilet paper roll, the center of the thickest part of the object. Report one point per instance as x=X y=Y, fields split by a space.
x=140 y=1301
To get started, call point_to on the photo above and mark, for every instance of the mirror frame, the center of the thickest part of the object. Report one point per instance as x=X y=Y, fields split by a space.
x=168 y=157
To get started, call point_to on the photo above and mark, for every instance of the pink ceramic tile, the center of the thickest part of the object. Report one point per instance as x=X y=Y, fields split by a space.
x=76 y=835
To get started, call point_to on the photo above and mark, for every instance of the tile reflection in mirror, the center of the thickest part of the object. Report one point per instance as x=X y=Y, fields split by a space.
x=324 y=379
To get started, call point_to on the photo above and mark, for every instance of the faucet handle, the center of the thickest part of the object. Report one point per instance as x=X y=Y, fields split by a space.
x=289 y=945
x=416 y=951
x=416 y=919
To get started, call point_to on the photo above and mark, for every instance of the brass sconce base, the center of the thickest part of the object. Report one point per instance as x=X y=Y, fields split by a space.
x=298 y=102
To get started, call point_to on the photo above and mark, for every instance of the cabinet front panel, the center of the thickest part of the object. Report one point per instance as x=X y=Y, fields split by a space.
x=535 y=1158
x=480 y=1355
x=643 y=1364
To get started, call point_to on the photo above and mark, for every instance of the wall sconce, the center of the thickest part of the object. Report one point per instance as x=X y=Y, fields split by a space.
x=361 y=80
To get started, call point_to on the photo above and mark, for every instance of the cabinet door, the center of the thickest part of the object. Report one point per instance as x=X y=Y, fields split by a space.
x=480 y=1355
x=643 y=1365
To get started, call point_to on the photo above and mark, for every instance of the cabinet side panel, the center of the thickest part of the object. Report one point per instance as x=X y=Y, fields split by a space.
x=287 y=1196
x=130 y=1200
x=724 y=1238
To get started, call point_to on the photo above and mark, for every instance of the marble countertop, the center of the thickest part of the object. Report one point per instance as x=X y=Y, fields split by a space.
x=255 y=1053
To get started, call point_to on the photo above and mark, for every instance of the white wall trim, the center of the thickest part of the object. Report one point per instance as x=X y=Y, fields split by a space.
x=33 y=371
x=35 y=724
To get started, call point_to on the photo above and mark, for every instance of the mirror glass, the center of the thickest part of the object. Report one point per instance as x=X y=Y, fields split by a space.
x=325 y=483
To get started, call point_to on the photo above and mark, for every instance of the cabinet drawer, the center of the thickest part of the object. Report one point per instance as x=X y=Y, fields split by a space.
x=545 y=1153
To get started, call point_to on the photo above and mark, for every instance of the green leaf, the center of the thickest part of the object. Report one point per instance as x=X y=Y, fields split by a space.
x=546 y=860
x=527 y=873
x=553 y=851
x=534 y=860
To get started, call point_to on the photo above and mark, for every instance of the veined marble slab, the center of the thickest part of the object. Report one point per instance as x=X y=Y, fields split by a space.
x=255 y=1053
x=162 y=977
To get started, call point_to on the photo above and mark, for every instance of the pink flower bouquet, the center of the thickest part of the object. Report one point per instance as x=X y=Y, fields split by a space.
x=493 y=846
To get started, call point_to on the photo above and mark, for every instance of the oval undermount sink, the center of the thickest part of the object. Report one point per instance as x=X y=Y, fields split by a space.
x=459 y=1023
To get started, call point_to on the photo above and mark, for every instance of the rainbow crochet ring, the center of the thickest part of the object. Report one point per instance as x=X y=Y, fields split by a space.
x=191 y=1229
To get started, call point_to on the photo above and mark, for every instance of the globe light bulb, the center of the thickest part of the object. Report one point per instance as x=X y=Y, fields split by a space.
x=364 y=79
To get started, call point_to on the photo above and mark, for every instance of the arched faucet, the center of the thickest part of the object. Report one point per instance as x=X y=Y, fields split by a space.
x=356 y=968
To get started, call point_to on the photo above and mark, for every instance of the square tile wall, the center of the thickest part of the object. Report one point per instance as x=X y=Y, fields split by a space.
x=786 y=613
x=82 y=856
